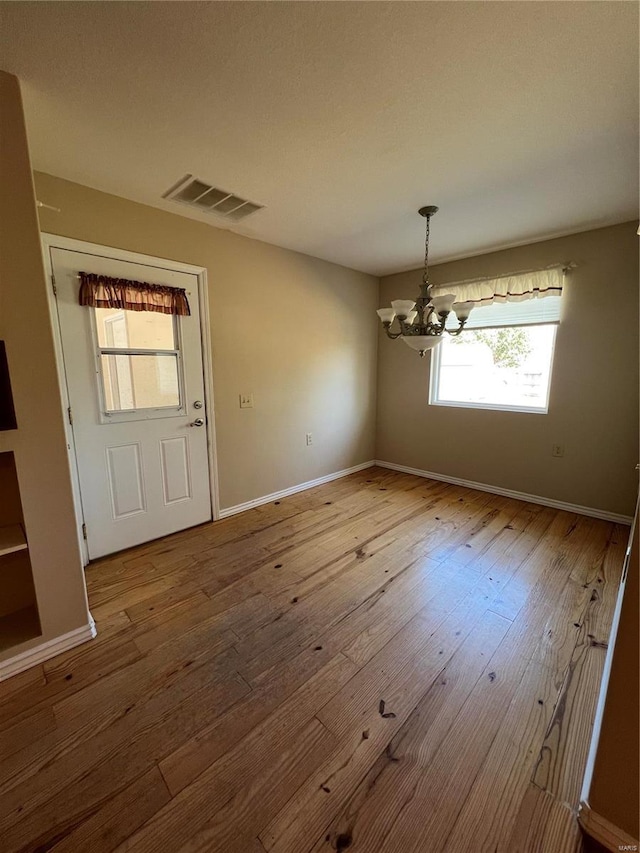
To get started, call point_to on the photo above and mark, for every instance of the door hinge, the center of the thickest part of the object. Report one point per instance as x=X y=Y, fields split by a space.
x=70 y=415
x=53 y=284
x=84 y=531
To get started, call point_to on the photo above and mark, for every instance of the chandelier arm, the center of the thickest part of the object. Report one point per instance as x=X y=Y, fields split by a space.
x=455 y=332
x=390 y=334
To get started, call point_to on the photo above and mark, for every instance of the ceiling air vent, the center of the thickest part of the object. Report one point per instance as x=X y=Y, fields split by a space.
x=208 y=199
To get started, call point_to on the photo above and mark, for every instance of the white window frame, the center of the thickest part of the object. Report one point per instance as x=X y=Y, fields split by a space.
x=434 y=380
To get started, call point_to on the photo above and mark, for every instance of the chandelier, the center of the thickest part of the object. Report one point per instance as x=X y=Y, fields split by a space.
x=422 y=322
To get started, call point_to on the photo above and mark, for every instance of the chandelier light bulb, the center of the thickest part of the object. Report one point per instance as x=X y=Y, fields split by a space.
x=462 y=309
x=403 y=307
x=443 y=304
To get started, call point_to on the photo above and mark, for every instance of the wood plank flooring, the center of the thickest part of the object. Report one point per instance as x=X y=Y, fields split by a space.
x=383 y=664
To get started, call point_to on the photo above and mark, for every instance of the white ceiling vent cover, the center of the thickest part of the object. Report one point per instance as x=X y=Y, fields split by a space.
x=208 y=199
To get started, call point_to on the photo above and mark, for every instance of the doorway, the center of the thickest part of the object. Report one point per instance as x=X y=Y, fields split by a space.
x=137 y=388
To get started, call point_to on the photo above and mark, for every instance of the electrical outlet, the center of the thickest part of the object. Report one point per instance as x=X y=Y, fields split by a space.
x=246 y=401
x=557 y=450
x=309 y=438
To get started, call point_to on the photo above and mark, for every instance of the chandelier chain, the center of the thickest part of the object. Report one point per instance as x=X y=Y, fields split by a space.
x=425 y=274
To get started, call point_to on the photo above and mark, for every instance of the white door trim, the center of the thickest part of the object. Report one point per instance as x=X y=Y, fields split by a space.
x=53 y=241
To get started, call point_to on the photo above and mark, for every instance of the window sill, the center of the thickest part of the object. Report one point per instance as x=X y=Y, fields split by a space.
x=492 y=407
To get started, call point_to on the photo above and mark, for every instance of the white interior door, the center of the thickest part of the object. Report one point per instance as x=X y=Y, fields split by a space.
x=136 y=391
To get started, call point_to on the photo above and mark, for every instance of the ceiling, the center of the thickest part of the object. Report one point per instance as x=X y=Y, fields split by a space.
x=519 y=119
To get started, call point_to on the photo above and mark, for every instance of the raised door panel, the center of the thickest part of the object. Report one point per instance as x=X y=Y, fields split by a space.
x=124 y=471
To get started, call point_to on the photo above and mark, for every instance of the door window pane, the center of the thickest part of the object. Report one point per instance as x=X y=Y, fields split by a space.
x=118 y=329
x=133 y=381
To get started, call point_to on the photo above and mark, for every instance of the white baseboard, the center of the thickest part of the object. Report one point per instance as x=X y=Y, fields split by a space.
x=430 y=475
x=509 y=493
x=45 y=651
x=292 y=490
x=603 y=831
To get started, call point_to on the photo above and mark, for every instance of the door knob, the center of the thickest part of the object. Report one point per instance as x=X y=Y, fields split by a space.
x=197 y=422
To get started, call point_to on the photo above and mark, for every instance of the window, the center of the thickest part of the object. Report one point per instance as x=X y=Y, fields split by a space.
x=139 y=364
x=503 y=359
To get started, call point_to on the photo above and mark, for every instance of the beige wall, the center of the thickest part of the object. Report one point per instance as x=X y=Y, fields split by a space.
x=296 y=332
x=39 y=443
x=593 y=407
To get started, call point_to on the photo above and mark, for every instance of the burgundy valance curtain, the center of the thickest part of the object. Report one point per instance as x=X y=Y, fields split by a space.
x=101 y=291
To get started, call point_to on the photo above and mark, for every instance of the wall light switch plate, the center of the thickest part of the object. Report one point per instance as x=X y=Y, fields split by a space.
x=246 y=401
x=557 y=450
x=308 y=438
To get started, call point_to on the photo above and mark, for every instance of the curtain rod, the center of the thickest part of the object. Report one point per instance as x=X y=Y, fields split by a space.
x=565 y=267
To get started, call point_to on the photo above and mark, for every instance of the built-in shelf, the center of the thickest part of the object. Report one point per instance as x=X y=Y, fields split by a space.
x=12 y=539
x=19 y=618
x=19 y=626
x=7 y=412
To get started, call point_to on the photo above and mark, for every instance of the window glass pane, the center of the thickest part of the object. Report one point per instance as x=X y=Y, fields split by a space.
x=134 y=329
x=497 y=367
x=140 y=382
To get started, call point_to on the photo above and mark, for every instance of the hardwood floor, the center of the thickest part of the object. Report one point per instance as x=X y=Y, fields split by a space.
x=383 y=664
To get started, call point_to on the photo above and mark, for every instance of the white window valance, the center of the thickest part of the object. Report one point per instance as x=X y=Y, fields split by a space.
x=513 y=287
x=530 y=312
